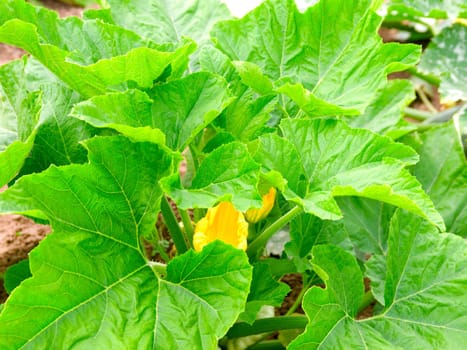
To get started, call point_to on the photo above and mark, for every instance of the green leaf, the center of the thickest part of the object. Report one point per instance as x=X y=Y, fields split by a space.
x=445 y=58
x=264 y=290
x=109 y=55
x=17 y=132
x=173 y=113
x=384 y=114
x=92 y=284
x=336 y=161
x=169 y=21
x=426 y=276
x=306 y=231
x=331 y=54
x=16 y=274
x=227 y=173
x=428 y=8
x=442 y=171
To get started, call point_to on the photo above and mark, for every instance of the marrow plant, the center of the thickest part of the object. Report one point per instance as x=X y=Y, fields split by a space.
x=286 y=122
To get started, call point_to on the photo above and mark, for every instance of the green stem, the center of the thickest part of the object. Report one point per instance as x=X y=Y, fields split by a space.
x=188 y=226
x=428 y=78
x=255 y=247
x=267 y=345
x=417 y=114
x=172 y=224
x=299 y=298
x=266 y=325
x=426 y=101
x=368 y=298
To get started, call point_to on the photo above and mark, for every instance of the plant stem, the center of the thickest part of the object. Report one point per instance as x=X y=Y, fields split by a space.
x=255 y=247
x=417 y=114
x=299 y=298
x=172 y=224
x=368 y=298
x=266 y=325
x=267 y=345
x=426 y=101
x=428 y=78
x=186 y=219
x=443 y=116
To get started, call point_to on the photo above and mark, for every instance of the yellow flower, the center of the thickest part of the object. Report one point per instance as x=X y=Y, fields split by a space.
x=223 y=222
x=255 y=215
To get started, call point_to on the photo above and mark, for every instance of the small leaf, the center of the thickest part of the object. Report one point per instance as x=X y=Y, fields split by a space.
x=226 y=174
x=16 y=274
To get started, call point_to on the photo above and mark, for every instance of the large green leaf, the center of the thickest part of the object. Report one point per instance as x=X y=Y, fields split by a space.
x=169 y=21
x=180 y=109
x=333 y=160
x=445 y=58
x=384 y=114
x=227 y=173
x=442 y=171
x=331 y=54
x=424 y=294
x=35 y=107
x=105 y=56
x=91 y=284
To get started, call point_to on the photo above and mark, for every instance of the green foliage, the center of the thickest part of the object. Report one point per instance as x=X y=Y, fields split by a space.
x=95 y=124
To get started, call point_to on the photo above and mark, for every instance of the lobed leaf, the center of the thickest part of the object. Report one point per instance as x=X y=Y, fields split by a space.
x=331 y=54
x=425 y=278
x=91 y=284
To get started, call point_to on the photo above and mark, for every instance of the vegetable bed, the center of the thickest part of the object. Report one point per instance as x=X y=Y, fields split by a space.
x=187 y=160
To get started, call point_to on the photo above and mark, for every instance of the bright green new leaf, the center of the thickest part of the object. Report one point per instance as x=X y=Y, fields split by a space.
x=264 y=290
x=331 y=54
x=445 y=58
x=424 y=293
x=91 y=283
x=106 y=56
x=174 y=112
x=384 y=114
x=226 y=174
x=442 y=171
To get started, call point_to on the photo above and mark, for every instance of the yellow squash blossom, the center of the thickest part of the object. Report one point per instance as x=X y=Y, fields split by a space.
x=255 y=215
x=223 y=222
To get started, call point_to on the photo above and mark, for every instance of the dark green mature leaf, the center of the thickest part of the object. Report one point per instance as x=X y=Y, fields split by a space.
x=101 y=290
x=384 y=114
x=174 y=112
x=306 y=231
x=264 y=290
x=442 y=171
x=169 y=21
x=331 y=53
x=227 y=173
x=428 y=8
x=445 y=58
x=16 y=274
x=336 y=160
x=424 y=308
x=106 y=55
